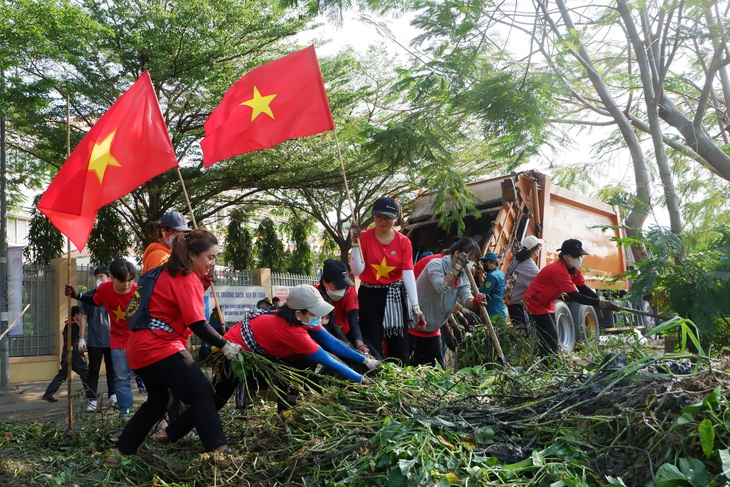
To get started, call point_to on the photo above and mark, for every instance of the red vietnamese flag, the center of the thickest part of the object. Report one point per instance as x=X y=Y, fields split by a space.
x=281 y=100
x=128 y=146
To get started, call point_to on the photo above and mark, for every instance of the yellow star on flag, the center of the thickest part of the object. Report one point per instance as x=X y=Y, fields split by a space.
x=101 y=157
x=119 y=313
x=382 y=269
x=260 y=104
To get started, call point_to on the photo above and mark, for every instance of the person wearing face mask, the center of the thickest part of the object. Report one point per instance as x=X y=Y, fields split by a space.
x=562 y=277
x=526 y=269
x=493 y=286
x=114 y=296
x=170 y=226
x=96 y=319
x=292 y=334
x=337 y=288
x=441 y=283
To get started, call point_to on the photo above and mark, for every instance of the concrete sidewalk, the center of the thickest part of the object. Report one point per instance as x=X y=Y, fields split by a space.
x=24 y=401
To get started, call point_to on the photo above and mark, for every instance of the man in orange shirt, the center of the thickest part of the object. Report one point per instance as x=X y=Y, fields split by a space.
x=170 y=226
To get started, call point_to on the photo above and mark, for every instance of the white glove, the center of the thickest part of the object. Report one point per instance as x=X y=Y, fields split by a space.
x=371 y=362
x=418 y=318
x=366 y=380
x=82 y=345
x=230 y=350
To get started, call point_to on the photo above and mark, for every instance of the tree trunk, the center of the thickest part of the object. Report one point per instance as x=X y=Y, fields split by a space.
x=670 y=195
x=639 y=212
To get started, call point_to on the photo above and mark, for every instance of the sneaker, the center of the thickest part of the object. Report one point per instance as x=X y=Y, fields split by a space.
x=49 y=398
x=93 y=405
x=113 y=400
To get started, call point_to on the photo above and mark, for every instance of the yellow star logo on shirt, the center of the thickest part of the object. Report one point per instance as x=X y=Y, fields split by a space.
x=119 y=313
x=101 y=157
x=260 y=104
x=382 y=269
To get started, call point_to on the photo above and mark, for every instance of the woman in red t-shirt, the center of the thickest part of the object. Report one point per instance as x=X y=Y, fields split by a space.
x=383 y=258
x=561 y=277
x=158 y=355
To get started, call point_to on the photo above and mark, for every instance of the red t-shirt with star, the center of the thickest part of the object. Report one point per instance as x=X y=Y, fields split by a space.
x=552 y=280
x=178 y=301
x=385 y=264
x=277 y=337
x=348 y=303
x=115 y=305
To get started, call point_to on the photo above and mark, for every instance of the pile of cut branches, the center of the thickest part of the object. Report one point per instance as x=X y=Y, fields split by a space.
x=624 y=418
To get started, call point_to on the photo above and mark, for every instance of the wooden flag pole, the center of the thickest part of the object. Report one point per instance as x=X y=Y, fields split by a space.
x=195 y=226
x=69 y=326
x=347 y=188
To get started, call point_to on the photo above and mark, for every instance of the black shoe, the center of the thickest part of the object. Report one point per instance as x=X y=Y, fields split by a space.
x=49 y=398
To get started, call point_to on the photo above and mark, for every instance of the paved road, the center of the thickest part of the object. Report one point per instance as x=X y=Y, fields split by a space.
x=23 y=401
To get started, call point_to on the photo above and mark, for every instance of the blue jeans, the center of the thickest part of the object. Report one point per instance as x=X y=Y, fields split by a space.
x=122 y=381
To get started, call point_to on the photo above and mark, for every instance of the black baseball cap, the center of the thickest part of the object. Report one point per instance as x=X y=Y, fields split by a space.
x=175 y=221
x=335 y=271
x=386 y=206
x=572 y=247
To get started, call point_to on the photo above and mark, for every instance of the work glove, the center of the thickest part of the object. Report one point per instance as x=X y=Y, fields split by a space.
x=208 y=279
x=371 y=362
x=366 y=380
x=355 y=233
x=69 y=290
x=457 y=332
x=479 y=300
x=361 y=347
x=418 y=318
x=448 y=336
x=82 y=345
x=463 y=260
x=608 y=305
x=230 y=350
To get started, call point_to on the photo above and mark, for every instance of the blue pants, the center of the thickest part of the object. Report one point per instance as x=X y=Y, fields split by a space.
x=122 y=381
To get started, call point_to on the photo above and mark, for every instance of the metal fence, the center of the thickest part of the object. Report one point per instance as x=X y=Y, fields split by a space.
x=39 y=333
x=228 y=277
x=278 y=279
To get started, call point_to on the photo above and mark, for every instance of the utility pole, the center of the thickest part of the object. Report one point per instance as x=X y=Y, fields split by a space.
x=5 y=342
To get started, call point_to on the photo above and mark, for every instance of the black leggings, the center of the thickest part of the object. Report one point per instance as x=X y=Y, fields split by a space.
x=182 y=375
x=427 y=351
x=372 y=313
x=547 y=332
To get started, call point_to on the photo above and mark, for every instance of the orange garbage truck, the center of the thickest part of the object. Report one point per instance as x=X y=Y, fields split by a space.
x=516 y=205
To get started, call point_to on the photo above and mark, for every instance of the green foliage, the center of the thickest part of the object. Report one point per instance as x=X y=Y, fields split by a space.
x=109 y=239
x=269 y=247
x=239 y=251
x=302 y=257
x=45 y=243
x=695 y=284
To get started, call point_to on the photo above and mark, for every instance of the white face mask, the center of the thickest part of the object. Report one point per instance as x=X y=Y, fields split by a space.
x=337 y=294
x=575 y=261
x=170 y=240
x=98 y=282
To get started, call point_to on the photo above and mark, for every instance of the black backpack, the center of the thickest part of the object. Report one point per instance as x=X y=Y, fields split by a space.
x=137 y=313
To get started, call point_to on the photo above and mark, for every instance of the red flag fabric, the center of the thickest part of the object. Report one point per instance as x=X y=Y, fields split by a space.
x=278 y=101
x=128 y=146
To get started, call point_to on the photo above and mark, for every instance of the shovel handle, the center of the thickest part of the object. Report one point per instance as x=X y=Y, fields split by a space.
x=485 y=315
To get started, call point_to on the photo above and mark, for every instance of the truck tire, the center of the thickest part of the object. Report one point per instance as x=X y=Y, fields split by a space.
x=566 y=327
x=586 y=322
